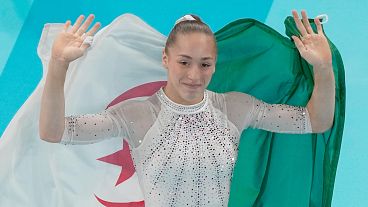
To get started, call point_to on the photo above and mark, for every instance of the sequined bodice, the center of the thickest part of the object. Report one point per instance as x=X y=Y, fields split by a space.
x=188 y=155
x=184 y=154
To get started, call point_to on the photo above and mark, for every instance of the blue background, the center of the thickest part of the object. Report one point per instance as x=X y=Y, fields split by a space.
x=22 y=21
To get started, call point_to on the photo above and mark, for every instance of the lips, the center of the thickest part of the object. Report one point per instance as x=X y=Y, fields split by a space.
x=192 y=85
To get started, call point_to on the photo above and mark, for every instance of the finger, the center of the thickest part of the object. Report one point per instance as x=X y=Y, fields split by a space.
x=319 y=26
x=306 y=23
x=85 y=25
x=85 y=46
x=94 y=29
x=77 y=24
x=299 y=24
x=66 y=26
x=299 y=44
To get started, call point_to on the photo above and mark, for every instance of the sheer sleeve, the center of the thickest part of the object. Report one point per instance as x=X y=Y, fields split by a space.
x=247 y=111
x=92 y=128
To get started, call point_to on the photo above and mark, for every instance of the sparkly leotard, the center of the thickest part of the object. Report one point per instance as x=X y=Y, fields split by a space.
x=184 y=155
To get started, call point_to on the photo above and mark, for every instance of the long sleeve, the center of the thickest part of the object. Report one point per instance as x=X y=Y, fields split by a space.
x=92 y=128
x=247 y=111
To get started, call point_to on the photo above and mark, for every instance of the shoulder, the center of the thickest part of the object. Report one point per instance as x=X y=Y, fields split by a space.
x=235 y=96
x=231 y=99
x=216 y=98
x=229 y=96
x=129 y=105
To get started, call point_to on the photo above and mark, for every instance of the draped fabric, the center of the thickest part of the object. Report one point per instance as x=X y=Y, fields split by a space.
x=278 y=169
x=123 y=63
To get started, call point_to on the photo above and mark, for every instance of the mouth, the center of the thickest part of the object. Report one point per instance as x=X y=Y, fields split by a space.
x=192 y=86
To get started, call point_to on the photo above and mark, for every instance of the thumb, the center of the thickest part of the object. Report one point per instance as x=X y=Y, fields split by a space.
x=78 y=52
x=85 y=46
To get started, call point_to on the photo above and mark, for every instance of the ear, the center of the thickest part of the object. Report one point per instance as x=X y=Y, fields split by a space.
x=164 y=59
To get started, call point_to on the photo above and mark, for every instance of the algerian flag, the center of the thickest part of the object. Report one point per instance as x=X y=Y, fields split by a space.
x=124 y=62
x=278 y=169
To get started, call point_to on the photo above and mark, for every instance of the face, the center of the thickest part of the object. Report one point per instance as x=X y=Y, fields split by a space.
x=190 y=63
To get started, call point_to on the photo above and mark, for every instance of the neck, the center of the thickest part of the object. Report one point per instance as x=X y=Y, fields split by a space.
x=175 y=97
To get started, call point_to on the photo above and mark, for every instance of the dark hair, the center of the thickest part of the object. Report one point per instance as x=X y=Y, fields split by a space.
x=189 y=26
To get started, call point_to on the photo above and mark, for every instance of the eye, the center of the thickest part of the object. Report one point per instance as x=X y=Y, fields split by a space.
x=183 y=63
x=206 y=65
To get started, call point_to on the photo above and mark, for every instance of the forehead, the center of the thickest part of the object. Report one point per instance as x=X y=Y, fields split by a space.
x=193 y=44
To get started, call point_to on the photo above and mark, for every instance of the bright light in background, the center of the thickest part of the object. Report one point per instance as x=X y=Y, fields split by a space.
x=12 y=16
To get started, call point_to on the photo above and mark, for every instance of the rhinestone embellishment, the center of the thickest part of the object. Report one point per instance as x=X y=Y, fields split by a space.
x=180 y=108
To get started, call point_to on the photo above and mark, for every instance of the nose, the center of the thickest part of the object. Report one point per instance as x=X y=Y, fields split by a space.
x=194 y=74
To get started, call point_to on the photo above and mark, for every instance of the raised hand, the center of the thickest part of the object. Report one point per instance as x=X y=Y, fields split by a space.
x=68 y=45
x=313 y=47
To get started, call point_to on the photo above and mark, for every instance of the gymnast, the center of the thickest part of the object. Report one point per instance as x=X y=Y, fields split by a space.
x=184 y=139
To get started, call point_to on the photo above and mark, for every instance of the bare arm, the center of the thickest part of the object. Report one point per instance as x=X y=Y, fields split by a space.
x=314 y=48
x=51 y=125
x=67 y=47
x=321 y=105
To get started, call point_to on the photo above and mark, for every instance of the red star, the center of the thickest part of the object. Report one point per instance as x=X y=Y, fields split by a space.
x=121 y=158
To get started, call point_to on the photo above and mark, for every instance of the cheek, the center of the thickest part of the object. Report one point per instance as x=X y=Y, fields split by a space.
x=208 y=77
x=174 y=74
x=209 y=73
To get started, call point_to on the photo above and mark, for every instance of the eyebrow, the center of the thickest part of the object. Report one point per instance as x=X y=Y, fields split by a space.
x=204 y=58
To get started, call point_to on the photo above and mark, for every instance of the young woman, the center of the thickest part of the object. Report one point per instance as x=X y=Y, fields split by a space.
x=185 y=138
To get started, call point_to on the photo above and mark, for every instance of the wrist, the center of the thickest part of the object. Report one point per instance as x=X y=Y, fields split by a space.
x=57 y=67
x=58 y=60
x=323 y=73
x=325 y=66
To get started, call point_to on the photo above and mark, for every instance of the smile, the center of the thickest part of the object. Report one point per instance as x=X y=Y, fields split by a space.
x=193 y=86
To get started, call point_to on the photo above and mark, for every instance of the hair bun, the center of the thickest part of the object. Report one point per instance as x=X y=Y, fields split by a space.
x=189 y=17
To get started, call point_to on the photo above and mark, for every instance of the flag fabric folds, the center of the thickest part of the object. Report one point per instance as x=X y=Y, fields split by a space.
x=124 y=62
x=278 y=169
x=123 y=55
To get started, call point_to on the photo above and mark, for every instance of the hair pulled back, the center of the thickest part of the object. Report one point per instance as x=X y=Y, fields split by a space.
x=187 y=27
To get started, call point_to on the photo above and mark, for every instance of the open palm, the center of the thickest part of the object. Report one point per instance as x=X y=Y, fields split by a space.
x=68 y=45
x=313 y=47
